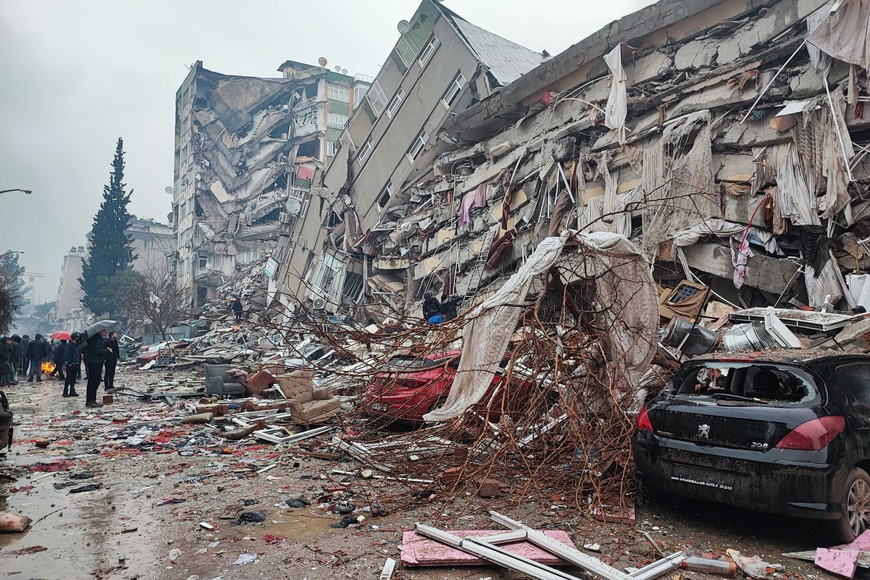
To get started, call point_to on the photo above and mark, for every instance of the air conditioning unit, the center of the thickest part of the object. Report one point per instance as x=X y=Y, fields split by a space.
x=319 y=304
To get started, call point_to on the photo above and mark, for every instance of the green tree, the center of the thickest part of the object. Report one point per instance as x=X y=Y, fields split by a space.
x=12 y=298
x=109 y=250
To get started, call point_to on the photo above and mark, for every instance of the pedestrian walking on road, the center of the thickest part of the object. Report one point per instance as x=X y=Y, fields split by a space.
x=17 y=357
x=111 y=361
x=72 y=361
x=95 y=358
x=37 y=350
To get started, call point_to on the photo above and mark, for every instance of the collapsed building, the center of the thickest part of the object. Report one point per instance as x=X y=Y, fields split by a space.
x=727 y=138
x=440 y=66
x=244 y=146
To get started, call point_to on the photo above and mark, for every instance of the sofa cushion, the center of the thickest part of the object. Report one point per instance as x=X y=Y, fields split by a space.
x=317 y=410
x=297 y=385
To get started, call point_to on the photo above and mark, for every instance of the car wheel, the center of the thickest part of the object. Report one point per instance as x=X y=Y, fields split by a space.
x=855 y=516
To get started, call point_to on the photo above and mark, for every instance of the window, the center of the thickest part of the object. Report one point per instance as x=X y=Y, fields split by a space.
x=428 y=51
x=396 y=103
x=406 y=49
x=420 y=142
x=215 y=261
x=359 y=91
x=364 y=152
x=330 y=276
x=338 y=93
x=376 y=98
x=203 y=261
x=336 y=120
x=385 y=196
x=330 y=148
x=454 y=89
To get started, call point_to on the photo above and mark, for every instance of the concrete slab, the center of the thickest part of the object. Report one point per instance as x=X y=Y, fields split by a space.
x=420 y=551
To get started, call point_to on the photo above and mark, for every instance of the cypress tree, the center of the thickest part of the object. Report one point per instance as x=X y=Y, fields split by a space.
x=109 y=250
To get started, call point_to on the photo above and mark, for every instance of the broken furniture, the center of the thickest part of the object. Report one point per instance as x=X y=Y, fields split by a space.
x=218 y=382
x=307 y=404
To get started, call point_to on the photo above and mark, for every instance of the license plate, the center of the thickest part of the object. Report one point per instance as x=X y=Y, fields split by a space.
x=378 y=407
x=703 y=478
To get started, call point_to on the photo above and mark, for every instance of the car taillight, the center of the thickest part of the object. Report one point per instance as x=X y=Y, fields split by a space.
x=813 y=435
x=643 y=422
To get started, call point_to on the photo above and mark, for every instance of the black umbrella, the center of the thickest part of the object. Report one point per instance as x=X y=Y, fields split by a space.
x=98 y=326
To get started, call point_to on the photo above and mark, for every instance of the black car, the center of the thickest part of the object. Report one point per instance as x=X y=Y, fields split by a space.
x=784 y=432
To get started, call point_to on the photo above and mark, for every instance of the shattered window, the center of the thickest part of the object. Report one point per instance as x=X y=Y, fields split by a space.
x=738 y=382
x=330 y=276
x=454 y=89
x=330 y=148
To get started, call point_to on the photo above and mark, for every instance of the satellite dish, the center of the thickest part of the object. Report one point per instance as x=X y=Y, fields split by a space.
x=322 y=61
x=344 y=71
x=403 y=26
x=337 y=68
x=168 y=189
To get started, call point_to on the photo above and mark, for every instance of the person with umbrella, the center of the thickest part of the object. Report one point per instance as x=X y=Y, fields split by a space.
x=95 y=357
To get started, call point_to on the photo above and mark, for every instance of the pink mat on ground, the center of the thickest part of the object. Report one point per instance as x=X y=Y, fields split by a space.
x=420 y=551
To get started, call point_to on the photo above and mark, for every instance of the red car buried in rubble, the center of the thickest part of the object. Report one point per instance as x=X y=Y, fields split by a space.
x=409 y=387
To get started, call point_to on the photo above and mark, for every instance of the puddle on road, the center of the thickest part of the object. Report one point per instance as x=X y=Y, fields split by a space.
x=85 y=536
x=295 y=526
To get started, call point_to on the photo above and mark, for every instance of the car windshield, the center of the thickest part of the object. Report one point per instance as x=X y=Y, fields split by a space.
x=738 y=382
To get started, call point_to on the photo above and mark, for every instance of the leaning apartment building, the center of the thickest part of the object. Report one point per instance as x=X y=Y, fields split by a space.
x=246 y=151
x=727 y=138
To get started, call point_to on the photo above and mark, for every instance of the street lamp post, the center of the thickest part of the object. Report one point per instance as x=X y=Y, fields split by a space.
x=27 y=191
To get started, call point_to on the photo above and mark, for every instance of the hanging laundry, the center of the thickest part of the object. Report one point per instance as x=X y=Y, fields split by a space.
x=740 y=254
x=617 y=104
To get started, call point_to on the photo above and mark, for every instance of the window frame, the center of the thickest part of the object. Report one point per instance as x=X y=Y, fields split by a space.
x=395 y=103
x=376 y=98
x=389 y=192
x=428 y=51
x=420 y=142
x=364 y=152
x=331 y=120
x=342 y=97
x=456 y=88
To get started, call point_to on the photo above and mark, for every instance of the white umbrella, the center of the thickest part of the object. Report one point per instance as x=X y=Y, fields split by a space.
x=98 y=326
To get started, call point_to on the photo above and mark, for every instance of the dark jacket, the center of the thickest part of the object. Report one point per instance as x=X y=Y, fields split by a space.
x=59 y=353
x=20 y=349
x=5 y=353
x=449 y=307
x=37 y=349
x=113 y=345
x=95 y=350
x=237 y=306
x=71 y=354
x=25 y=342
x=431 y=307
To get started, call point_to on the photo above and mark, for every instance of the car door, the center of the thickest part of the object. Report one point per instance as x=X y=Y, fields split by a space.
x=849 y=387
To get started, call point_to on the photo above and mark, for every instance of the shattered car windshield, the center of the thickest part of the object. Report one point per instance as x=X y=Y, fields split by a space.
x=728 y=382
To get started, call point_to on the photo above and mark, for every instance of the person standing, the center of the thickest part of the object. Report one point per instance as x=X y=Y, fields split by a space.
x=72 y=362
x=25 y=360
x=17 y=357
x=6 y=354
x=57 y=359
x=449 y=306
x=37 y=350
x=111 y=361
x=95 y=357
x=237 y=309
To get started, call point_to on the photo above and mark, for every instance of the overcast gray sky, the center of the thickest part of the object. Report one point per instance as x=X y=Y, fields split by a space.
x=76 y=75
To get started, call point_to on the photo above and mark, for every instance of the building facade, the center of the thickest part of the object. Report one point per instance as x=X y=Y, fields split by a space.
x=244 y=146
x=440 y=65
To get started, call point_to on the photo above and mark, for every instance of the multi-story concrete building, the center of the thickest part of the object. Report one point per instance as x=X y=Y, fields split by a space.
x=68 y=304
x=243 y=145
x=440 y=65
x=153 y=246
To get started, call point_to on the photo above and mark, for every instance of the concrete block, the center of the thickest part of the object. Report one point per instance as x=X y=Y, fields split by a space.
x=697 y=54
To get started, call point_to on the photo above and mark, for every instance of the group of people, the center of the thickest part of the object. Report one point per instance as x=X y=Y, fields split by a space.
x=21 y=356
x=437 y=312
